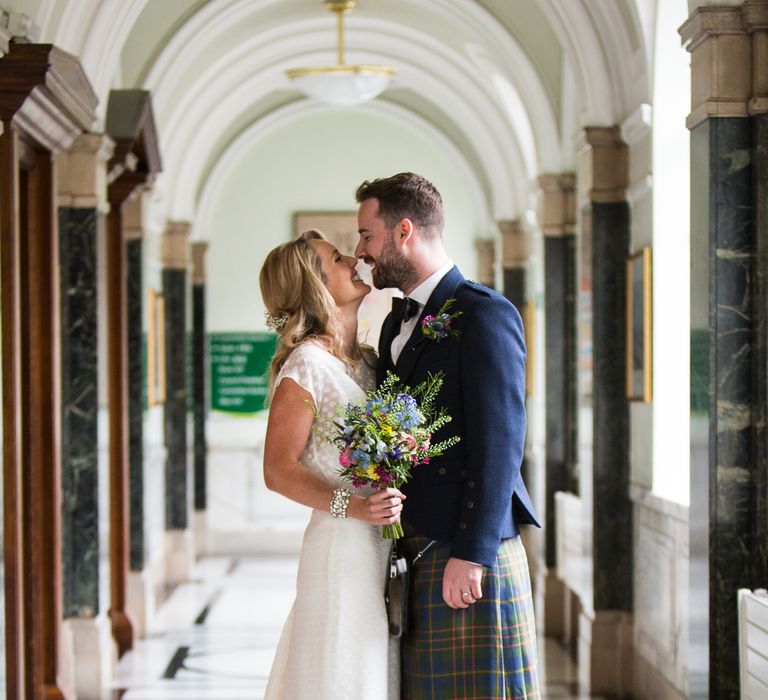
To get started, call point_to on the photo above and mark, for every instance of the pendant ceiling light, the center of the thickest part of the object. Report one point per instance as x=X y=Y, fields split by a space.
x=342 y=84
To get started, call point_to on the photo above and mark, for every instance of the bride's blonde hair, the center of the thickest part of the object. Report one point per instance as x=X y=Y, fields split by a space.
x=293 y=288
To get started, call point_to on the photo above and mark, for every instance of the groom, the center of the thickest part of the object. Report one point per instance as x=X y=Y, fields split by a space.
x=472 y=632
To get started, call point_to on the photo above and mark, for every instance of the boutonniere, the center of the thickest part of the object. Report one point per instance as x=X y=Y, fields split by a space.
x=438 y=326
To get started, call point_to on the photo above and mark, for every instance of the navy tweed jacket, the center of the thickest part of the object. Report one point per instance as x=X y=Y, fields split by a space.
x=473 y=495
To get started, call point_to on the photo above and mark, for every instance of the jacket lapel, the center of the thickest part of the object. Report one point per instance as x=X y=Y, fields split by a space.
x=387 y=335
x=445 y=289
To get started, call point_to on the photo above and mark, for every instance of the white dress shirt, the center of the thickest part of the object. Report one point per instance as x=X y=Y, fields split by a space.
x=421 y=295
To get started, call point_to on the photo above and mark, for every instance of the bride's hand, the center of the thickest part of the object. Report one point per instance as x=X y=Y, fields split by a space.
x=380 y=508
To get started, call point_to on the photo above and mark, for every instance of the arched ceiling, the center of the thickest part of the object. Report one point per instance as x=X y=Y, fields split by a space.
x=485 y=76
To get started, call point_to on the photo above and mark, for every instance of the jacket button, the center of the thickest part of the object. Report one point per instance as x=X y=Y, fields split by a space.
x=470 y=504
x=441 y=471
x=471 y=484
x=462 y=526
x=463 y=473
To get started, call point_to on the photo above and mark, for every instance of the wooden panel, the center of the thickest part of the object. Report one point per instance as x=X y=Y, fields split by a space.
x=136 y=159
x=13 y=515
x=40 y=424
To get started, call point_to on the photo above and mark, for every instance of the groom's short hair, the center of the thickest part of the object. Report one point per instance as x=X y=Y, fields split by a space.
x=406 y=196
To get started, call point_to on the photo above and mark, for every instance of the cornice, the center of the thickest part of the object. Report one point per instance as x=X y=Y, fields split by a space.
x=46 y=94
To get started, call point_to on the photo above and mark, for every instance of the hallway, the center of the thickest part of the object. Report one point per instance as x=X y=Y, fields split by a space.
x=214 y=637
x=603 y=165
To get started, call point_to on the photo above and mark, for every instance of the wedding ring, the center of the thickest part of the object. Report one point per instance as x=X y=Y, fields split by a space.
x=465 y=593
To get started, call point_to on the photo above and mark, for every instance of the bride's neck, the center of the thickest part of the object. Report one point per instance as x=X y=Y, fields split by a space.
x=347 y=327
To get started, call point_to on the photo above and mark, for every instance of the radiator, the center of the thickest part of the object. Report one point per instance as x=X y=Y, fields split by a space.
x=753 y=644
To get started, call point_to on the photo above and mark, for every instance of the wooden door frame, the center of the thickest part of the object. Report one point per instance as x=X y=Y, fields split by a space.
x=136 y=160
x=45 y=103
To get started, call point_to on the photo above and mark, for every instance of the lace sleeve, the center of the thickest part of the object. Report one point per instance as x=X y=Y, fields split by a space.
x=304 y=367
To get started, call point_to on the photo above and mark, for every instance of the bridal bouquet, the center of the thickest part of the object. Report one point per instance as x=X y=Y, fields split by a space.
x=383 y=439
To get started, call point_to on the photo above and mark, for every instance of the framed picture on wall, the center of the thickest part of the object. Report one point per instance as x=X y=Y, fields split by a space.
x=529 y=328
x=639 y=326
x=340 y=228
x=155 y=348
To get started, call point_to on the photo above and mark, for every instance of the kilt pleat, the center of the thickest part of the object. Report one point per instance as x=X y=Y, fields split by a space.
x=485 y=652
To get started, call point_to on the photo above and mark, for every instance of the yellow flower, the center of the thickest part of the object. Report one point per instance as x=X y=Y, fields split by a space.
x=386 y=429
x=371 y=471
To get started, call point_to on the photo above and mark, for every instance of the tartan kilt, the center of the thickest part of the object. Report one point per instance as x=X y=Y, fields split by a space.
x=485 y=652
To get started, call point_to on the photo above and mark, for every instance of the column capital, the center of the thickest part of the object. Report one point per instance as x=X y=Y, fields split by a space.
x=557 y=204
x=199 y=249
x=174 y=245
x=486 y=259
x=81 y=172
x=515 y=243
x=755 y=15
x=721 y=63
x=133 y=215
x=606 y=163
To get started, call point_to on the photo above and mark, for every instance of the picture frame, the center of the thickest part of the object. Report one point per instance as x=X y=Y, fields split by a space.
x=340 y=228
x=155 y=348
x=639 y=326
x=529 y=330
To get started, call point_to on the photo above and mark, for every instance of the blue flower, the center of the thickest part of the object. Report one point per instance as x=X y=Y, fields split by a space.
x=362 y=458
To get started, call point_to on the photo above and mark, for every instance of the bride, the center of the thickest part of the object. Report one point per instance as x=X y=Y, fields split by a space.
x=335 y=643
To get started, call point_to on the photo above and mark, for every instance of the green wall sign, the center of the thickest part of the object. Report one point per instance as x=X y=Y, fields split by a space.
x=240 y=370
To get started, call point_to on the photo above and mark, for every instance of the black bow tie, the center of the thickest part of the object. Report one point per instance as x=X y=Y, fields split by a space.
x=404 y=309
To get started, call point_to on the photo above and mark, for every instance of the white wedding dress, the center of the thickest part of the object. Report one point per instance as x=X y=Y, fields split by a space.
x=335 y=644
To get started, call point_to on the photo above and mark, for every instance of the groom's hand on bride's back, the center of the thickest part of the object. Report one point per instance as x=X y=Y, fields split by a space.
x=380 y=508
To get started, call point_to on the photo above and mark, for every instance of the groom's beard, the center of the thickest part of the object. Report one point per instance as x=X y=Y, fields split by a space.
x=392 y=268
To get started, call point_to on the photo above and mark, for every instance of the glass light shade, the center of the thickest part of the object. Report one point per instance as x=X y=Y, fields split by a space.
x=342 y=85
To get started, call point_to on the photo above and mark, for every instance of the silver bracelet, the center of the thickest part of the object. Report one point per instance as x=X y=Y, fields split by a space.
x=340 y=502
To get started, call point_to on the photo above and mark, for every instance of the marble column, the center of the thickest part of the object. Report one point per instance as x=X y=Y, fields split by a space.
x=141 y=585
x=486 y=262
x=605 y=629
x=728 y=527
x=81 y=176
x=557 y=220
x=199 y=403
x=756 y=22
x=515 y=252
x=179 y=540
x=133 y=232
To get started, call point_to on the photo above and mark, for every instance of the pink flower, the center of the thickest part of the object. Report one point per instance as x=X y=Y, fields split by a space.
x=345 y=458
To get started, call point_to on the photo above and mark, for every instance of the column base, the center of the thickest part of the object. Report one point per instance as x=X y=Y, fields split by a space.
x=537 y=568
x=200 y=530
x=142 y=589
x=649 y=683
x=93 y=655
x=179 y=555
x=605 y=653
x=555 y=593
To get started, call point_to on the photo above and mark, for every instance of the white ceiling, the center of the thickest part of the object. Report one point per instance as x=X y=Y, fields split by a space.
x=502 y=82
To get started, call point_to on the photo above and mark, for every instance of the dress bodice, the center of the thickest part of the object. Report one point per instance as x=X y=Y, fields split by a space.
x=332 y=384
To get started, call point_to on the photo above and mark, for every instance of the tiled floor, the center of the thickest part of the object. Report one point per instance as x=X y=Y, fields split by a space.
x=214 y=638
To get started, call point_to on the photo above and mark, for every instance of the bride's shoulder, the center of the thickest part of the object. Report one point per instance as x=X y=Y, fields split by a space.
x=309 y=350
